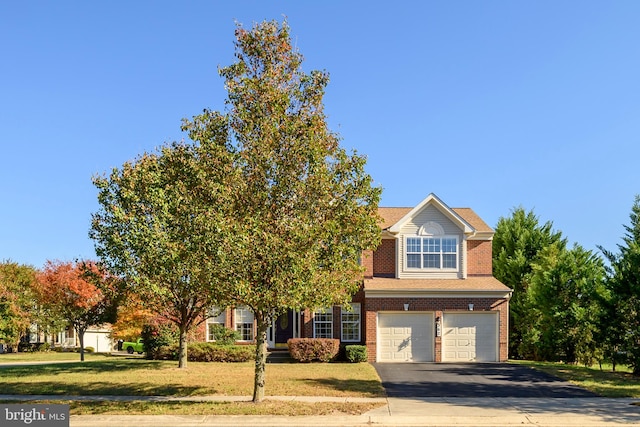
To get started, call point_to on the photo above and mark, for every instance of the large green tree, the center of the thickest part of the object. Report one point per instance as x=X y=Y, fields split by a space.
x=623 y=322
x=160 y=227
x=261 y=208
x=17 y=301
x=302 y=209
x=517 y=241
x=566 y=291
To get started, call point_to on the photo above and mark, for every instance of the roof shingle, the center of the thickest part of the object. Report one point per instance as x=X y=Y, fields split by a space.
x=470 y=284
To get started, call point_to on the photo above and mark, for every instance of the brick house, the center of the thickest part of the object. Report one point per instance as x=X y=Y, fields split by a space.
x=428 y=294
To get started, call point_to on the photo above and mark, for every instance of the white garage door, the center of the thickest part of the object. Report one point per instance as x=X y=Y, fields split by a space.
x=405 y=337
x=470 y=337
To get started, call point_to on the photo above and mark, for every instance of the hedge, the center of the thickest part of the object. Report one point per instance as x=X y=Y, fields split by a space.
x=208 y=352
x=312 y=349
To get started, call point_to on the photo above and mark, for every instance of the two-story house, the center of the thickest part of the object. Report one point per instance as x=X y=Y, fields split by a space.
x=428 y=294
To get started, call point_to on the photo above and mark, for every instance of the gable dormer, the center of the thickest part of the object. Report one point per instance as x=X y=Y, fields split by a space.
x=431 y=241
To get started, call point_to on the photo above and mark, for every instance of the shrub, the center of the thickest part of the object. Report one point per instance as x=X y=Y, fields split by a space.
x=224 y=335
x=311 y=349
x=30 y=347
x=208 y=352
x=214 y=352
x=159 y=335
x=165 y=352
x=89 y=349
x=356 y=353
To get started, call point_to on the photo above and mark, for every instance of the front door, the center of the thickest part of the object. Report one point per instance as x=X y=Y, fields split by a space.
x=284 y=327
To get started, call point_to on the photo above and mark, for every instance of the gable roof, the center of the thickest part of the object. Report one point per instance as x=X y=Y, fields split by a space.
x=391 y=215
x=433 y=200
x=394 y=218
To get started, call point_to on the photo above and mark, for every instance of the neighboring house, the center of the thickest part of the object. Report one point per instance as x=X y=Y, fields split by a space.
x=98 y=337
x=428 y=294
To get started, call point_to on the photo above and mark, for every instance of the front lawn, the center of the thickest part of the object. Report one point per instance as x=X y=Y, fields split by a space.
x=122 y=376
x=604 y=382
x=139 y=377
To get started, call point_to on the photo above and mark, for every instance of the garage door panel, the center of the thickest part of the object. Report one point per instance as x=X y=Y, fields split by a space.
x=470 y=337
x=405 y=337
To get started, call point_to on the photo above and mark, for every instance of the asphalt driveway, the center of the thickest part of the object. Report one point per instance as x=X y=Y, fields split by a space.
x=472 y=380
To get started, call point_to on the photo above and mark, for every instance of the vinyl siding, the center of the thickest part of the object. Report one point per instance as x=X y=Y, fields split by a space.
x=430 y=213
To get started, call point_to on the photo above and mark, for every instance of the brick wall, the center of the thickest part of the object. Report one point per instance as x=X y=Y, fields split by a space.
x=367 y=262
x=438 y=306
x=384 y=259
x=479 y=257
x=306 y=330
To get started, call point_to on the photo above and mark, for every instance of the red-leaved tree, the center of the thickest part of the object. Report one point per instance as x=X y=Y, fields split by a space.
x=79 y=292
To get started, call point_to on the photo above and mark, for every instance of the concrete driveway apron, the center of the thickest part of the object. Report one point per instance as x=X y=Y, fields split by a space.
x=472 y=380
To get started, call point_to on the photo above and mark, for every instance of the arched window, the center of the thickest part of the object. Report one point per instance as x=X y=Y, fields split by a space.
x=433 y=250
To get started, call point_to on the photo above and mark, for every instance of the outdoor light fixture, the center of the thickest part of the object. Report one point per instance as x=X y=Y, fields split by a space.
x=470 y=307
x=406 y=307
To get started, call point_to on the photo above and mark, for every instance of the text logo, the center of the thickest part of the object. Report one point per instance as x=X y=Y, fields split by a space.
x=34 y=415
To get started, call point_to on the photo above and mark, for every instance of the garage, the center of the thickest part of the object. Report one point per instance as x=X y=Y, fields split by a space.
x=470 y=337
x=405 y=337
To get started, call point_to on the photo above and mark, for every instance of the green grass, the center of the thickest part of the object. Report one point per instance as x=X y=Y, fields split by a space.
x=604 y=382
x=139 y=377
x=267 y=407
x=49 y=356
x=125 y=376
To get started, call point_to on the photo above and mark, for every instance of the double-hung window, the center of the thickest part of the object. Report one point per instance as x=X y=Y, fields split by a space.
x=351 y=323
x=323 y=323
x=217 y=317
x=244 y=323
x=432 y=253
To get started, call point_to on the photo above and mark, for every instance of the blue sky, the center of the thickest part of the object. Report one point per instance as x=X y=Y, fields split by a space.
x=488 y=104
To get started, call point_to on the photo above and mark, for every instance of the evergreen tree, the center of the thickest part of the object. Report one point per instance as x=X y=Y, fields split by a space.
x=516 y=245
x=623 y=321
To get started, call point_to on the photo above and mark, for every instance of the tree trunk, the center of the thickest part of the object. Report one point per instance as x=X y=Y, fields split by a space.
x=182 y=351
x=80 y=333
x=261 y=358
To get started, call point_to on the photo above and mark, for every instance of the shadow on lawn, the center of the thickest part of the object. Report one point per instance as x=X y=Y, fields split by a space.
x=364 y=388
x=43 y=379
x=102 y=389
x=57 y=368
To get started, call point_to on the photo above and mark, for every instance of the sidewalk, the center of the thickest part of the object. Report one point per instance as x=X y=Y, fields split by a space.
x=410 y=412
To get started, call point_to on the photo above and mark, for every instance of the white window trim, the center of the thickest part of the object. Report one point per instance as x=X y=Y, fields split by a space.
x=343 y=311
x=220 y=319
x=326 y=311
x=236 y=323
x=441 y=268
